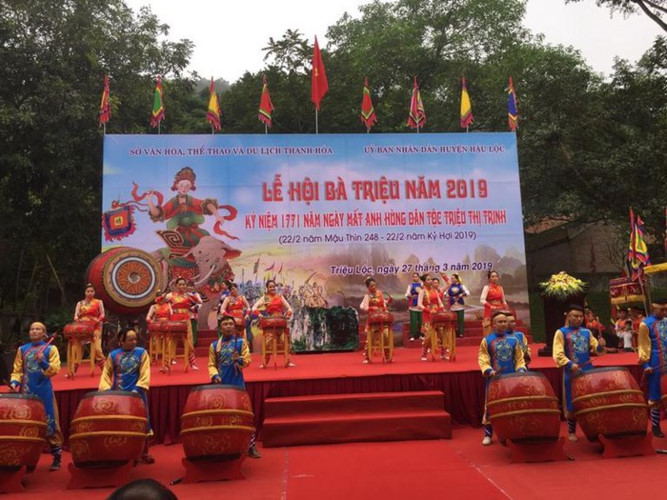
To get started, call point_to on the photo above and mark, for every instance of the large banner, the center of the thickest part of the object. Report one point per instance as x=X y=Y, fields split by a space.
x=320 y=213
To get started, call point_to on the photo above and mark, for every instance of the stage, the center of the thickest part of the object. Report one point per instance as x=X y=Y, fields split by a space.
x=326 y=373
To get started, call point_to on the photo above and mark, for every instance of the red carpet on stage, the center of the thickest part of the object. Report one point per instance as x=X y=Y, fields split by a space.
x=331 y=373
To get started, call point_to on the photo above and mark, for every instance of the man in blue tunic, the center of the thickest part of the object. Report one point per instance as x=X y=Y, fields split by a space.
x=572 y=350
x=499 y=353
x=35 y=363
x=227 y=357
x=652 y=350
x=523 y=340
x=128 y=368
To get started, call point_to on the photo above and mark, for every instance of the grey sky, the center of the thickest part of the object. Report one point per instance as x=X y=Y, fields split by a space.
x=229 y=35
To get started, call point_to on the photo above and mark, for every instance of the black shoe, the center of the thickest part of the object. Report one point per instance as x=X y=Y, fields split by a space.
x=657 y=432
x=55 y=465
x=254 y=453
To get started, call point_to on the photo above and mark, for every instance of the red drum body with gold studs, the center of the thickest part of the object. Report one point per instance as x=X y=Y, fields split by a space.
x=217 y=423
x=22 y=430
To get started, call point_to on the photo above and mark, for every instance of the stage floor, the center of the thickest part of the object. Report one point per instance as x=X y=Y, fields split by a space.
x=332 y=365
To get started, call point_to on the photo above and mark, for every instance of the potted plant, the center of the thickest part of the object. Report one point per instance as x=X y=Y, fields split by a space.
x=558 y=292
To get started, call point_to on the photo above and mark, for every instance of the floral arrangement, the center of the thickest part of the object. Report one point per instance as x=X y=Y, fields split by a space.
x=561 y=286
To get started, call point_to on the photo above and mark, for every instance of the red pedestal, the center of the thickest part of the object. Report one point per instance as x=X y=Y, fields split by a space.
x=196 y=472
x=99 y=477
x=626 y=446
x=546 y=451
x=10 y=479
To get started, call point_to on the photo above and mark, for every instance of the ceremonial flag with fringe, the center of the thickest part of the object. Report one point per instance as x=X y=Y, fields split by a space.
x=158 y=106
x=265 y=105
x=466 y=107
x=368 y=116
x=638 y=257
x=213 y=113
x=319 y=84
x=105 y=109
x=417 y=117
x=512 y=110
x=256 y=266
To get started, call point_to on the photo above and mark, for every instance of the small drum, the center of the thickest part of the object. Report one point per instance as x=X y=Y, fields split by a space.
x=443 y=319
x=523 y=407
x=79 y=330
x=22 y=430
x=380 y=318
x=217 y=423
x=273 y=322
x=168 y=327
x=109 y=429
x=609 y=402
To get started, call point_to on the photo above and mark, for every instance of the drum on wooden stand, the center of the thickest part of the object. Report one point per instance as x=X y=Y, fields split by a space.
x=22 y=430
x=523 y=408
x=109 y=429
x=80 y=331
x=378 y=322
x=608 y=402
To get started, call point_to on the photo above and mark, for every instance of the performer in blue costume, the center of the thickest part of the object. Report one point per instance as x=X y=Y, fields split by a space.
x=412 y=294
x=35 y=363
x=455 y=292
x=128 y=368
x=572 y=349
x=227 y=357
x=498 y=353
x=652 y=350
x=523 y=340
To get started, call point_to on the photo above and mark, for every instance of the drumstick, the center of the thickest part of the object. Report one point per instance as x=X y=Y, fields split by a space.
x=659 y=367
x=47 y=344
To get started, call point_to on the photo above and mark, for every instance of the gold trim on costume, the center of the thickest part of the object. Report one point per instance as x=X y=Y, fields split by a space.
x=521 y=398
x=218 y=427
x=521 y=412
x=217 y=412
x=108 y=433
x=609 y=407
x=608 y=393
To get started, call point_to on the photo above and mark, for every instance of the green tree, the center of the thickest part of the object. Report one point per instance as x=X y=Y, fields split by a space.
x=653 y=9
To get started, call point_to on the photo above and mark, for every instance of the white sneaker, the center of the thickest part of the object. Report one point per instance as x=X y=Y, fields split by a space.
x=262 y=367
x=173 y=361
x=291 y=365
x=411 y=339
x=486 y=441
x=572 y=437
x=194 y=367
x=424 y=358
x=365 y=362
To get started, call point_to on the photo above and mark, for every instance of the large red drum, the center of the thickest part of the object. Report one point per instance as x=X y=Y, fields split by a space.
x=80 y=330
x=268 y=322
x=443 y=319
x=217 y=423
x=22 y=430
x=523 y=407
x=109 y=428
x=380 y=318
x=168 y=327
x=126 y=279
x=609 y=402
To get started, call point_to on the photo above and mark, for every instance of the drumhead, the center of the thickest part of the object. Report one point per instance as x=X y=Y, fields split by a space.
x=13 y=395
x=111 y=393
x=207 y=387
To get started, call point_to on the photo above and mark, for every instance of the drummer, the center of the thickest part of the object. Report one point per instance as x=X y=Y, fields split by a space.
x=429 y=302
x=652 y=345
x=523 y=340
x=499 y=353
x=274 y=304
x=373 y=302
x=237 y=306
x=90 y=310
x=227 y=358
x=572 y=349
x=35 y=363
x=128 y=368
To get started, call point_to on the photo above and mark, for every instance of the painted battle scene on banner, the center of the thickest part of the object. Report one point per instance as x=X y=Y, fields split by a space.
x=320 y=213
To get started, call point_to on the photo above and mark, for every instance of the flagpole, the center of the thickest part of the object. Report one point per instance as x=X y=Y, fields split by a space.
x=159 y=125
x=105 y=128
x=316 y=123
x=212 y=129
x=266 y=129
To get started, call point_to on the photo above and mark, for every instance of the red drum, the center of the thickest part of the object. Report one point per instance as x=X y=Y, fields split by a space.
x=22 y=430
x=168 y=327
x=81 y=330
x=443 y=319
x=609 y=402
x=380 y=318
x=268 y=322
x=663 y=391
x=217 y=423
x=126 y=279
x=109 y=429
x=523 y=407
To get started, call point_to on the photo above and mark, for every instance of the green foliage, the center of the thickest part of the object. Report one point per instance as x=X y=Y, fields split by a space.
x=655 y=10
